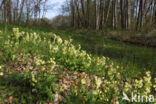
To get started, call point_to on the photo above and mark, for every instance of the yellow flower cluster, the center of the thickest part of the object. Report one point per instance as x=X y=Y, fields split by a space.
x=138 y=83
x=52 y=64
x=101 y=61
x=15 y=30
x=39 y=61
x=96 y=92
x=154 y=84
x=33 y=79
x=98 y=81
x=16 y=33
x=1 y=73
x=147 y=83
x=83 y=81
x=65 y=53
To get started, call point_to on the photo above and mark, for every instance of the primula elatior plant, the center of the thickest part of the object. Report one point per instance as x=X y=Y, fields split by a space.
x=43 y=68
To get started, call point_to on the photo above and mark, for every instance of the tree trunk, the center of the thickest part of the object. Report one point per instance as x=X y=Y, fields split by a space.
x=141 y=15
x=152 y=11
x=139 y=19
x=121 y=11
x=95 y=18
x=101 y=14
x=155 y=12
x=83 y=13
x=73 y=14
x=5 y=12
x=78 y=13
x=88 y=13
x=108 y=11
x=114 y=14
x=128 y=19
x=14 y=15
x=9 y=14
x=3 y=2
x=21 y=11
x=28 y=11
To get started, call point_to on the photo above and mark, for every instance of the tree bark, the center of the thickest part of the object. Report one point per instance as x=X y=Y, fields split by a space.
x=21 y=11
x=108 y=11
x=78 y=13
x=9 y=14
x=101 y=14
x=88 y=13
x=128 y=19
x=83 y=13
x=122 y=14
x=28 y=11
x=95 y=18
x=73 y=13
x=5 y=11
x=114 y=14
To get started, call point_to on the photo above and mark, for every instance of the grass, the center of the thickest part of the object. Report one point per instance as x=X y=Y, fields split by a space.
x=134 y=59
x=34 y=68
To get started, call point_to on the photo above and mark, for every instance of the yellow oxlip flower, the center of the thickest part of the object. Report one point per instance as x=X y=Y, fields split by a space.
x=139 y=83
x=147 y=79
x=55 y=49
x=52 y=62
x=50 y=46
x=64 y=50
x=98 y=81
x=155 y=80
x=79 y=47
x=95 y=92
x=148 y=73
x=1 y=73
x=13 y=57
x=154 y=87
x=70 y=40
x=42 y=68
x=147 y=90
x=66 y=42
x=117 y=102
x=23 y=32
x=83 y=81
x=34 y=80
x=64 y=87
x=127 y=87
x=59 y=40
x=15 y=30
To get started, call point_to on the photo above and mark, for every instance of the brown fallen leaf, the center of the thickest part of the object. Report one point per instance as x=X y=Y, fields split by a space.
x=10 y=99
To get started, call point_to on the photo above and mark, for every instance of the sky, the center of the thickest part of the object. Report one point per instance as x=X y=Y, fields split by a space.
x=55 y=8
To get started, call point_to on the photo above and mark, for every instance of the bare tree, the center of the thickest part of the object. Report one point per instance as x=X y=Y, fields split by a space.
x=101 y=14
x=108 y=10
x=114 y=14
x=21 y=11
x=88 y=13
x=72 y=13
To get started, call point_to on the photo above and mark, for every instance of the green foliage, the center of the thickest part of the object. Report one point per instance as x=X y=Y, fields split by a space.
x=25 y=90
x=33 y=61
